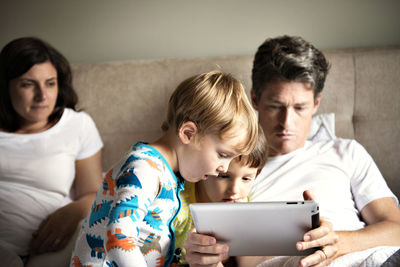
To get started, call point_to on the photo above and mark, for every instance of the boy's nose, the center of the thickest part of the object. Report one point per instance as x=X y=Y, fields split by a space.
x=234 y=188
x=223 y=167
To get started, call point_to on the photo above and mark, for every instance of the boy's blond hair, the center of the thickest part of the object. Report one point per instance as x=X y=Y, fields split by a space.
x=217 y=103
x=258 y=157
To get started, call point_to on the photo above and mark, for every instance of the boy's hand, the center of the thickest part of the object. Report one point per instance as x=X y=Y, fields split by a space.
x=203 y=250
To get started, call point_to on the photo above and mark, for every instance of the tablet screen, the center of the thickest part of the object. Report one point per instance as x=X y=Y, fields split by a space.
x=257 y=228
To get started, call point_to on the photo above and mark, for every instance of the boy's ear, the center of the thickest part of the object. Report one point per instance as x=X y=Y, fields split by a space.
x=187 y=132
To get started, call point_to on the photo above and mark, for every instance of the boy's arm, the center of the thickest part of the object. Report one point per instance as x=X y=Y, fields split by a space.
x=135 y=186
x=204 y=250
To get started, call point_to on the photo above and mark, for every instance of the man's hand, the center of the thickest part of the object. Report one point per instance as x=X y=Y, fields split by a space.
x=322 y=237
x=203 y=250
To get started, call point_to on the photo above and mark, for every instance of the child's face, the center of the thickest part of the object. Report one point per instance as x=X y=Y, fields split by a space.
x=232 y=186
x=208 y=156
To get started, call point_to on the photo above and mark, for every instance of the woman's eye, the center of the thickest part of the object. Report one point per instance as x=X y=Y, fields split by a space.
x=25 y=85
x=52 y=83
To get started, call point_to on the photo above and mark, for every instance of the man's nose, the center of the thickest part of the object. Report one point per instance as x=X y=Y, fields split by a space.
x=286 y=117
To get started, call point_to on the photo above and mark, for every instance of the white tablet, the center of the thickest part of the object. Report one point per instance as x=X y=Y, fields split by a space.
x=257 y=228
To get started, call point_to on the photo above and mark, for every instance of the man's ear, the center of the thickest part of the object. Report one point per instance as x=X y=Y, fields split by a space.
x=187 y=132
x=317 y=102
x=254 y=100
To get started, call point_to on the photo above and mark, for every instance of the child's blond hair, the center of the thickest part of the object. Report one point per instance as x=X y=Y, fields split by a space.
x=258 y=156
x=217 y=103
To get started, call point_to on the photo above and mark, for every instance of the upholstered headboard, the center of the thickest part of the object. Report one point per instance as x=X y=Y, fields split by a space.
x=128 y=99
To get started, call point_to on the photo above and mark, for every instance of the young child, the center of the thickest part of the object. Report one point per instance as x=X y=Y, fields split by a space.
x=209 y=122
x=231 y=186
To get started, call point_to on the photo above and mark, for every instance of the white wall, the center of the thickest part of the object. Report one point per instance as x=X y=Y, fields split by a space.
x=104 y=30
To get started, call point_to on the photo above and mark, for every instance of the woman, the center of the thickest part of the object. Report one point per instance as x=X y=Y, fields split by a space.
x=50 y=155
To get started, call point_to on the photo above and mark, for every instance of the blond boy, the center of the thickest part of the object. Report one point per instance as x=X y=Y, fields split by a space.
x=209 y=122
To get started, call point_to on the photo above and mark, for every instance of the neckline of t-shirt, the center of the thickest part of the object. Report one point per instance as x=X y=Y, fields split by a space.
x=289 y=155
x=46 y=132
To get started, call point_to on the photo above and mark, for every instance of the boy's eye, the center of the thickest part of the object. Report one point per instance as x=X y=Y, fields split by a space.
x=246 y=179
x=223 y=155
x=223 y=175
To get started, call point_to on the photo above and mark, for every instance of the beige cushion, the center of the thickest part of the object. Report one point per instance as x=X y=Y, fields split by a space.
x=128 y=99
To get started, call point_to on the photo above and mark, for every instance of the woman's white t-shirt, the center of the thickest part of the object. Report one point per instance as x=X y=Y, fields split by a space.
x=37 y=172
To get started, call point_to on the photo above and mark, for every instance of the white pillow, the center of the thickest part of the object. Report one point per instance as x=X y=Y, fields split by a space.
x=322 y=127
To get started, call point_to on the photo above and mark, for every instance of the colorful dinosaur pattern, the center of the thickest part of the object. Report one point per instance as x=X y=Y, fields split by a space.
x=150 y=243
x=153 y=218
x=131 y=212
x=167 y=192
x=96 y=245
x=77 y=263
x=99 y=212
x=153 y=164
x=109 y=183
x=119 y=240
x=129 y=160
x=123 y=209
x=128 y=178
x=112 y=264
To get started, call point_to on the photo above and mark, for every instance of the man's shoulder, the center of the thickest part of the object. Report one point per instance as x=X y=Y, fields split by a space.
x=334 y=142
x=340 y=146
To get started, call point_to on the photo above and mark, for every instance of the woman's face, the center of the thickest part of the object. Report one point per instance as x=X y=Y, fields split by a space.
x=34 y=95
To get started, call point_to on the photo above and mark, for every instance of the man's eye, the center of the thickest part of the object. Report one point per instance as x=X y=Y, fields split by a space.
x=273 y=107
x=299 y=108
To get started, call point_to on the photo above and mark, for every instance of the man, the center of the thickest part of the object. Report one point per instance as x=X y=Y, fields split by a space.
x=288 y=77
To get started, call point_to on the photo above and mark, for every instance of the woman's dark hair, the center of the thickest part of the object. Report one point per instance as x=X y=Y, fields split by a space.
x=289 y=59
x=16 y=58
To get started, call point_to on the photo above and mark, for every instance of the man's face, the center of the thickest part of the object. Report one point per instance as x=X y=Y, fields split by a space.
x=285 y=110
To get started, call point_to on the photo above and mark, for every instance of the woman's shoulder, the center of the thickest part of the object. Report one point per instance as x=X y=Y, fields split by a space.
x=78 y=119
x=71 y=114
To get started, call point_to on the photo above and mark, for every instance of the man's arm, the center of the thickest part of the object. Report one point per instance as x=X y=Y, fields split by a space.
x=382 y=217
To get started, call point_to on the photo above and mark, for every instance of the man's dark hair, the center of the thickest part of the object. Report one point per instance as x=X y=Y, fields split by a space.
x=289 y=59
x=16 y=58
